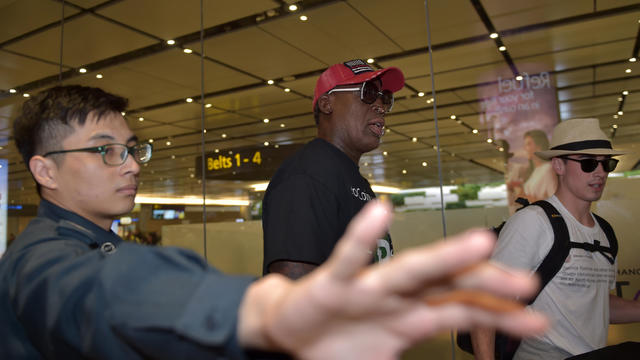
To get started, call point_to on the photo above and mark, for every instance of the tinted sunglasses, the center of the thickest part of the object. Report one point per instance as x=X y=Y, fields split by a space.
x=369 y=93
x=589 y=164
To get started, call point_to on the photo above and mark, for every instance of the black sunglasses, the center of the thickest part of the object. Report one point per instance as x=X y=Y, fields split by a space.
x=369 y=93
x=589 y=164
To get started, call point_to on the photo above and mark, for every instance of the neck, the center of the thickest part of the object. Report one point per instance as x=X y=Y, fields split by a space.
x=104 y=223
x=580 y=209
x=335 y=141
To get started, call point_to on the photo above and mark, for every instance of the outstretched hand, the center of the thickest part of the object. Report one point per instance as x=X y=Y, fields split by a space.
x=348 y=309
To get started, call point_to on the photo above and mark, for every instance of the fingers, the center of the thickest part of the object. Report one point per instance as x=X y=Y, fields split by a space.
x=497 y=280
x=429 y=264
x=353 y=251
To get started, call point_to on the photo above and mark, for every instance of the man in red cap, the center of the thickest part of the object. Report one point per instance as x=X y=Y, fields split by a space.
x=315 y=193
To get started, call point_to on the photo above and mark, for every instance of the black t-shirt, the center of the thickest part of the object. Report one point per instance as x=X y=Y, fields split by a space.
x=309 y=203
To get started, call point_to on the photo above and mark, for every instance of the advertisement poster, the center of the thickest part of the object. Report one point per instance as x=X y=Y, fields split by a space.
x=520 y=115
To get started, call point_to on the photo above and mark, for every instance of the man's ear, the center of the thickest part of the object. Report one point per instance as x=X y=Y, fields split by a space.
x=558 y=165
x=324 y=104
x=44 y=171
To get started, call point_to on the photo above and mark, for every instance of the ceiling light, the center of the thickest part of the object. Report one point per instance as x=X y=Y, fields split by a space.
x=304 y=18
x=626 y=92
x=270 y=82
x=388 y=130
x=141 y=119
x=266 y=143
x=459 y=121
x=424 y=163
x=628 y=71
x=404 y=172
x=489 y=140
x=99 y=76
x=620 y=99
x=189 y=100
x=385 y=153
x=620 y=112
x=615 y=116
x=493 y=35
x=208 y=106
x=173 y=157
x=293 y=7
x=415 y=139
x=168 y=142
x=187 y=51
x=150 y=141
x=287 y=89
x=429 y=101
x=475 y=131
x=216 y=151
x=192 y=175
x=281 y=125
x=224 y=135
x=123 y=113
x=632 y=59
x=82 y=70
x=265 y=120
x=171 y=42
x=370 y=60
x=502 y=48
x=276 y=146
x=366 y=164
x=615 y=126
x=501 y=149
x=26 y=95
x=435 y=147
x=421 y=94
x=519 y=78
x=13 y=91
x=453 y=117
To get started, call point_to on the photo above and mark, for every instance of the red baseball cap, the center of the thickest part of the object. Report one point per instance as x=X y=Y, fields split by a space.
x=355 y=72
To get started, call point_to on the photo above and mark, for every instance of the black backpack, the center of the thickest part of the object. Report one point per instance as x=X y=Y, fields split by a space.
x=505 y=346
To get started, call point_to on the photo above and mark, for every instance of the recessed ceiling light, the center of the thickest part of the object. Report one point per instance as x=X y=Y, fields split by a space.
x=519 y=78
x=99 y=76
x=404 y=171
x=123 y=113
x=187 y=51
x=266 y=143
x=453 y=117
x=366 y=164
x=388 y=130
x=265 y=120
x=13 y=91
x=475 y=131
x=370 y=60
x=204 y=131
x=276 y=146
x=628 y=71
x=501 y=149
x=493 y=35
x=82 y=70
x=385 y=153
x=293 y=7
x=141 y=119
x=502 y=48
x=304 y=18
x=208 y=105
x=168 y=142
x=270 y=82
x=189 y=100
x=26 y=95
x=424 y=163
x=224 y=135
x=421 y=94
x=415 y=139
x=615 y=126
x=620 y=99
x=435 y=147
x=489 y=140
x=287 y=89
x=620 y=112
x=615 y=116
x=150 y=141
x=171 y=42
x=632 y=59
x=216 y=150
x=626 y=92
x=173 y=157
x=282 y=125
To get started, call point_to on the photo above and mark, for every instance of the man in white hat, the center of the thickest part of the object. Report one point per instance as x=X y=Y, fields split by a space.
x=577 y=297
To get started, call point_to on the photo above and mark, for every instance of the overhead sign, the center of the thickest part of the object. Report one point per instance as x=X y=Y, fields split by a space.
x=255 y=163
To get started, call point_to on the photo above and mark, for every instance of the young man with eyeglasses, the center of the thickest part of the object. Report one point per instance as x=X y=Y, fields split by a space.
x=578 y=297
x=315 y=193
x=72 y=289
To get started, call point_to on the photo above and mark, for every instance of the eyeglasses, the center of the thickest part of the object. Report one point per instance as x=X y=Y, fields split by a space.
x=369 y=93
x=589 y=164
x=115 y=154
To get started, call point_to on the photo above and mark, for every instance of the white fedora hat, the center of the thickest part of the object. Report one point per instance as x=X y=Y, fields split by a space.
x=578 y=136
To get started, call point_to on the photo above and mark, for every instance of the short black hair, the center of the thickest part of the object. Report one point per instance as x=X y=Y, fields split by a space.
x=46 y=118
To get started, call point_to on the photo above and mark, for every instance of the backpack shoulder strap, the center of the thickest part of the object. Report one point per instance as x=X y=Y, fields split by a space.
x=611 y=235
x=552 y=263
